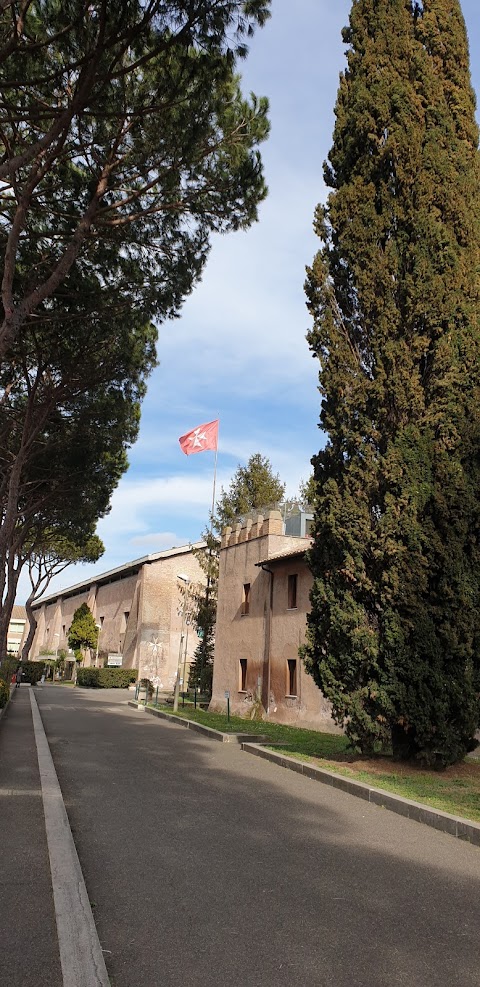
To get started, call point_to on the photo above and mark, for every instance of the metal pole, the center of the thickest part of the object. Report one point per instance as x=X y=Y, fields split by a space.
x=228 y=710
x=99 y=627
x=176 y=693
x=185 y=660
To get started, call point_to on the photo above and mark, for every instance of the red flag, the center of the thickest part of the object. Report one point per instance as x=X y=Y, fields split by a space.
x=200 y=438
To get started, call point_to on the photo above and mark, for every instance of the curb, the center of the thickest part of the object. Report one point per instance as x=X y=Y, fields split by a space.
x=81 y=955
x=462 y=829
x=223 y=738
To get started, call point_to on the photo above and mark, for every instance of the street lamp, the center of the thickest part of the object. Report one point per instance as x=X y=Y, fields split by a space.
x=57 y=636
x=176 y=694
x=99 y=627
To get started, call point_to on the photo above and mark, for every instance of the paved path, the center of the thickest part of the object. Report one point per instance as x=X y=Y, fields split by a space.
x=29 y=955
x=209 y=867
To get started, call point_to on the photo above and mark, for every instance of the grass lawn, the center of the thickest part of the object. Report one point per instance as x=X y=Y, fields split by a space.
x=456 y=790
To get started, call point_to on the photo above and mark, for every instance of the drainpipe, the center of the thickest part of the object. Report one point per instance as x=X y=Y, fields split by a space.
x=268 y=631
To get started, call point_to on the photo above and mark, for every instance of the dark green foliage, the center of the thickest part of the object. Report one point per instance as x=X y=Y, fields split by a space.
x=4 y=692
x=106 y=678
x=32 y=671
x=83 y=631
x=125 y=141
x=252 y=487
x=8 y=667
x=201 y=668
x=394 y=631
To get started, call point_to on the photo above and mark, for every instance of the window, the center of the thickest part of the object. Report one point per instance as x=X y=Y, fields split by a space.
x=101 y=621
x=292 y=592
x=291 y=677
x=246 y=599
x=243 y=675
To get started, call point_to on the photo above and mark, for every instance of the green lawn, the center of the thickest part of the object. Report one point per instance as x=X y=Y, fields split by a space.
x=456 y=790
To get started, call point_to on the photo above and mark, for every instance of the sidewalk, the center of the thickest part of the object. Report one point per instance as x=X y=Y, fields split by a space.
x=30 y=956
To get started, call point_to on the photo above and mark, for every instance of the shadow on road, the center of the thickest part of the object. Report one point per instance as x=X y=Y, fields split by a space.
x=207 y=866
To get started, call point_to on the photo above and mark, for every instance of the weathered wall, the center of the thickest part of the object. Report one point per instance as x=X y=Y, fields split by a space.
x=140 y=614
x=270 y=634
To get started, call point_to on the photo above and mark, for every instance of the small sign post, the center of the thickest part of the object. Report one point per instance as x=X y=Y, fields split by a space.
x=227 y=697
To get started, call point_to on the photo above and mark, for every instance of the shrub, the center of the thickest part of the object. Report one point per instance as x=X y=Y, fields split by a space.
x=32 y=671
x=88 y=678
x=106 y=678
x=117 y=678
x=4 y=693
x=8 y=667
x=146 y=684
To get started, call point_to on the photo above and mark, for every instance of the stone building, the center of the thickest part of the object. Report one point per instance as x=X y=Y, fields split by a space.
x=263 y=600
x=138 y=608
x=16 y=629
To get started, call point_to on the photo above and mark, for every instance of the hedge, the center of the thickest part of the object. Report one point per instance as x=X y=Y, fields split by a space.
x=106 y=678
x=4 y=693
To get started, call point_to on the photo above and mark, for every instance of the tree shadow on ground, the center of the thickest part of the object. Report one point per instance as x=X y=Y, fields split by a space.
x=207 y=866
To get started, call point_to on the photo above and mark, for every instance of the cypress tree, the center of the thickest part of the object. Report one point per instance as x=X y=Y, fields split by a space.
x=394 y=630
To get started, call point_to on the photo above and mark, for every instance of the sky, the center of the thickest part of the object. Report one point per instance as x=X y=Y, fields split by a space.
x=238 y=351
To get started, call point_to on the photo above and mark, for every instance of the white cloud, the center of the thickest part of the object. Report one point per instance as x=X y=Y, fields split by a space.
x=158 y=541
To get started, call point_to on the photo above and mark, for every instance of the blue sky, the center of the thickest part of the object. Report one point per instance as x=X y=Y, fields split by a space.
x=238 y=351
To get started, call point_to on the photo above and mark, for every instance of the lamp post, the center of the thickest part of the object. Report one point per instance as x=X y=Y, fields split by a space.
x=176 y=693
x=99 y=627
x=57 y=636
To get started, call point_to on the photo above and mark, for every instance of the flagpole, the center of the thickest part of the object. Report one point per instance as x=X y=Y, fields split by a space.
x=214 y=487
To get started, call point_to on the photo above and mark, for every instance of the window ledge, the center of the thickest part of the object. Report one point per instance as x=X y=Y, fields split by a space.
x=291 y=697
x=242 y=692
x=292 y=609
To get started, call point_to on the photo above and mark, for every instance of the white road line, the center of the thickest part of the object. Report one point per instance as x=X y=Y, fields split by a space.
x=81 y=956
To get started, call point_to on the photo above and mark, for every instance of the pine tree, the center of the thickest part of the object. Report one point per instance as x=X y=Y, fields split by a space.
x=83 y=631
x=254 y=486
x=394 y=630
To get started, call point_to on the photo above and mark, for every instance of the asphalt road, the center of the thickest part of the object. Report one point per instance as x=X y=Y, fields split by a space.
x=29 y=955
x=206 y=866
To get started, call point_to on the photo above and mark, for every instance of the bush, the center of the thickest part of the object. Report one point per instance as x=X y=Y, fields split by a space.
x=88 y=678
x=4 y=693
x=106 y=678
x=32 y=671
x=8 y=668
x=146 y=684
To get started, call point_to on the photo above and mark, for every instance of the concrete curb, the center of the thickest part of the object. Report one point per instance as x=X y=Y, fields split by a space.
x=463 y=829
x=223 y=738
x=81 y=955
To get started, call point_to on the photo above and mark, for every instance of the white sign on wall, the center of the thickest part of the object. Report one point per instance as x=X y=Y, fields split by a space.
x=114 y=661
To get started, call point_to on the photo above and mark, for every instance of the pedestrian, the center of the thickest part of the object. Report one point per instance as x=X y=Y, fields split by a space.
x=18 y=676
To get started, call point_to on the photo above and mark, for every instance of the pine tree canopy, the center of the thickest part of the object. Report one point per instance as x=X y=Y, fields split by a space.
x=394 y=630
x=254 y=486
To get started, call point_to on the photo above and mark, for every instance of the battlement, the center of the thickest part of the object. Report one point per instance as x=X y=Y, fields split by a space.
x=253 y=526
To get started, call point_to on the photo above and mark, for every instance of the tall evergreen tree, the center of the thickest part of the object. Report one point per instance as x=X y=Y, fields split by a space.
x=394 y=630
x=83 y=631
